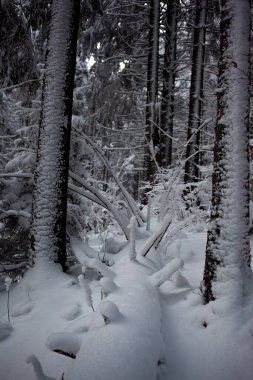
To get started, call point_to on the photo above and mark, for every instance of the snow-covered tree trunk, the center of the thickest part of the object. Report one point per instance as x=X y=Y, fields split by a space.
x=169 y=71
x=51 y=176
x=196 y=93
x=228 y=251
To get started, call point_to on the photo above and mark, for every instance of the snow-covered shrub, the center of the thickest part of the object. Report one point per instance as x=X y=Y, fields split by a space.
x=170 y=196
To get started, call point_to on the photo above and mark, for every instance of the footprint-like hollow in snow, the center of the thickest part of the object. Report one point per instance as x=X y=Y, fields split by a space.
x=72 y=312
x=22 y=309
x=67 y=344
x=5 y=330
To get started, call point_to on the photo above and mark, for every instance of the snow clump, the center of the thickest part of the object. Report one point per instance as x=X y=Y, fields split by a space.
x=109 y=311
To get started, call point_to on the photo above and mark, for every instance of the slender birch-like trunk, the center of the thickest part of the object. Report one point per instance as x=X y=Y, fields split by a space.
x=48 y=236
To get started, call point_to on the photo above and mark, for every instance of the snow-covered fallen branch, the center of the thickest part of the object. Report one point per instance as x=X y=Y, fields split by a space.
x=166 y=272
x=155 y=239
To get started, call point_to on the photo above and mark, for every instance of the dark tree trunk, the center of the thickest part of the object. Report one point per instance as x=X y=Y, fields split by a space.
x=196 y=94
x=48 y=236
x=152 y=134
x=169 y=70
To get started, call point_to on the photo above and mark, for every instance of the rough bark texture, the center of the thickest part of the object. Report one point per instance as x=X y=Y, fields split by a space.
x=48 y=237
x=152 y=134
x=196 y=93
x=228 y=251
x=169 y=70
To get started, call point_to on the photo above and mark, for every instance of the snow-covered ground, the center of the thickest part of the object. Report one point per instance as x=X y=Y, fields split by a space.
x=137 y=331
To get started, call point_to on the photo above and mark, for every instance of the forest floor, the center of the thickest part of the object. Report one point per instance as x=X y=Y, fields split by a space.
x=138 y=332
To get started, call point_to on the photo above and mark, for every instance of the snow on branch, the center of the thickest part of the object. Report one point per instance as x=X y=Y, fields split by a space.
x=92 y=194
x=23 y=213
x=18 y=174
x=19 y=84
x=86 y=194
x=155 y=239
x=132 y=204
x=165 y=273
x=10 y=267
x=98 y=198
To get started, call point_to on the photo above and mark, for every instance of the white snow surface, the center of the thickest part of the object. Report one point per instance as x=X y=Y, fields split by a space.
x=163 y=333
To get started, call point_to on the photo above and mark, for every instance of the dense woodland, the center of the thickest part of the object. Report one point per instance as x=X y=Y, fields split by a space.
x=117 y=113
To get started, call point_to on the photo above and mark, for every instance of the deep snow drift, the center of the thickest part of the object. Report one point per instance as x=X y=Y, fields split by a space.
x=142 y=327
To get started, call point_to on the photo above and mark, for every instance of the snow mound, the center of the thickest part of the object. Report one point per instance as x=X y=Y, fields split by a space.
x=109 y=311
x=37 y=367
x=107 y=285
x=72 y=312
x=180 y=281
x=100 y=268
x=64 y=343
x=113 y=246
x=5 y=330
x=87 y=291
x=22 y=309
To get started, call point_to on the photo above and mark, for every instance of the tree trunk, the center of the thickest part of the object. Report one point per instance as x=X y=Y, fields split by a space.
x=48 y=236
x=169 y=69
x=196 y=93
x=152 y=134
x=228 y=250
